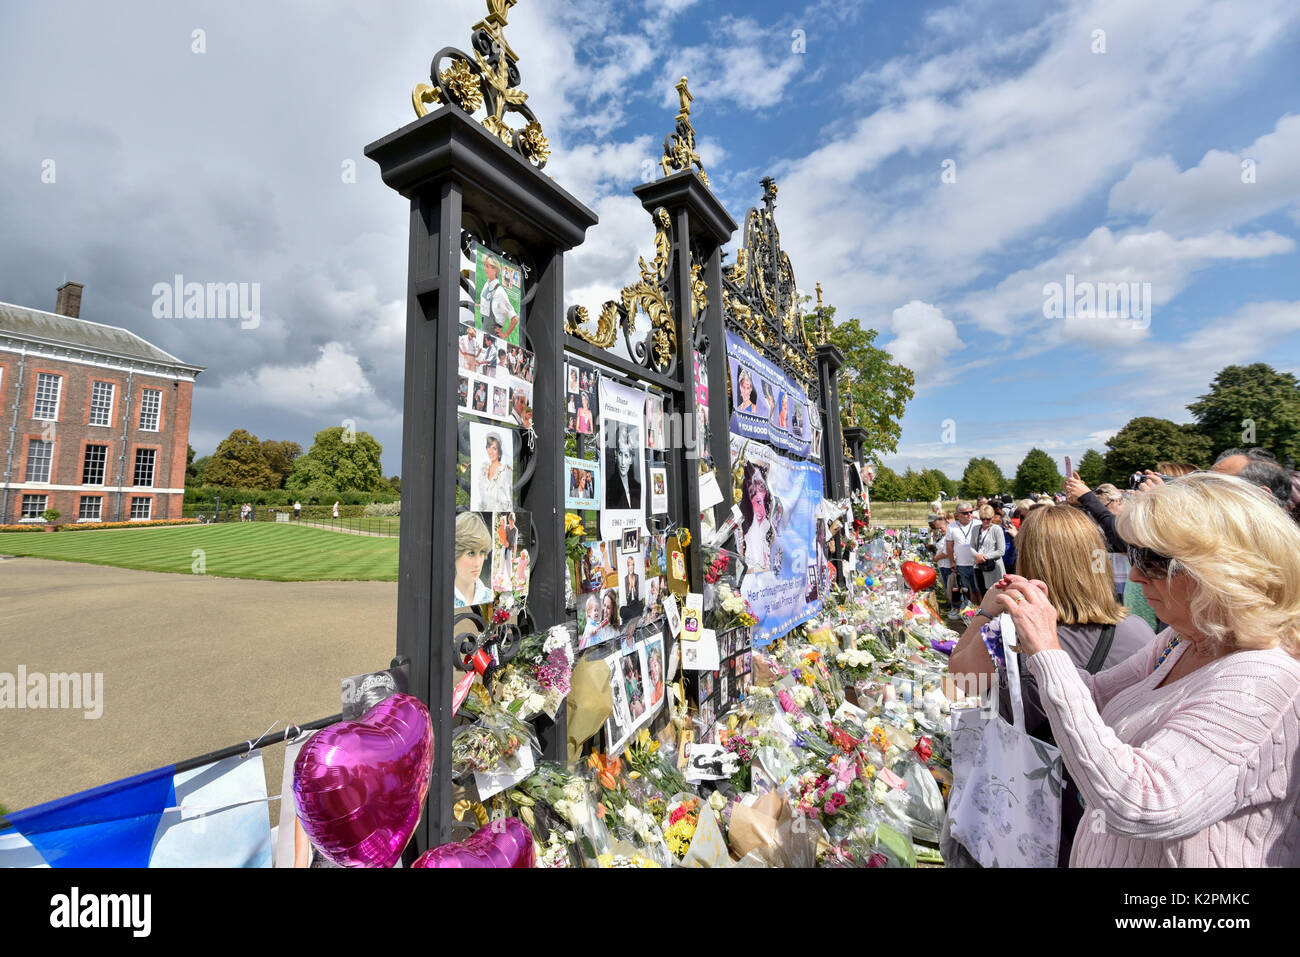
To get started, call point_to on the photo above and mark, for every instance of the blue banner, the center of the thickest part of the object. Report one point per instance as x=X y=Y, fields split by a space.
x=777 y=537
x=767 y=405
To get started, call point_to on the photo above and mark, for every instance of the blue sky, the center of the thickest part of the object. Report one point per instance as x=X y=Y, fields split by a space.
x=1108 y=166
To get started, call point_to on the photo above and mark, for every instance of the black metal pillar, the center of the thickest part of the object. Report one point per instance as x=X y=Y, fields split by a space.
x=700 y=223
x=856 y=436
x=829 y=361
x=452 y=169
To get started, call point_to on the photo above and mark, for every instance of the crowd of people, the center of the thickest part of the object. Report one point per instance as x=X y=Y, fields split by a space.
x=1158 y=629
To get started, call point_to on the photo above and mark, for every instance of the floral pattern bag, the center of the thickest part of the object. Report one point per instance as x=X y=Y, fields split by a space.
x=1005 y=808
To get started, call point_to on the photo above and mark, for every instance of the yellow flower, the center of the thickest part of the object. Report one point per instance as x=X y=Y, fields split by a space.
x=684 y=537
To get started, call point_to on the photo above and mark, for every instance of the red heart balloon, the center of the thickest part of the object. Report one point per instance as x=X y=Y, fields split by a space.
x=503 y=843
x=918 y=577
x=360 y=786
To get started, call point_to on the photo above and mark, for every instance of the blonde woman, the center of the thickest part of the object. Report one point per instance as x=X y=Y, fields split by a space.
x=1058 y=545
x=473 y=544
x=990 y=544
x=1185 y=754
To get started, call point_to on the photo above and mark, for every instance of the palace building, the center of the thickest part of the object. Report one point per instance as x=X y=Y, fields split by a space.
x=96 y=421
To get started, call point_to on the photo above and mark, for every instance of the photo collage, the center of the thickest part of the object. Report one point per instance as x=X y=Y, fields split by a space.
x=492 y=556
x=496 y=378
x=637 y=686
x=621 y=586
x=715 y=692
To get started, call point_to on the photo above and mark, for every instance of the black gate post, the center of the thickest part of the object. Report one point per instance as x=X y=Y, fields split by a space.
x=856 y=436
x=455 y=172
x=700 y=224
x=829 y=361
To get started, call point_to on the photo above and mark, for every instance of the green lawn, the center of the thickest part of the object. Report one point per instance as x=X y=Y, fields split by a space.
x=264 y=550
x=899 y=513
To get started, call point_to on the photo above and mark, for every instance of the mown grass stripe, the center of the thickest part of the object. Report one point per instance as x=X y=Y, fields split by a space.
x=269 y=551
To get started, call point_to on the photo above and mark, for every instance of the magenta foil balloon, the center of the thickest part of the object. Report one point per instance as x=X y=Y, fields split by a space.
x=360 y=786
x=504 y=843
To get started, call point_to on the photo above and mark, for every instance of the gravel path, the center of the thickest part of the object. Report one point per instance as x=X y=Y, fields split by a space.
x=190 y=664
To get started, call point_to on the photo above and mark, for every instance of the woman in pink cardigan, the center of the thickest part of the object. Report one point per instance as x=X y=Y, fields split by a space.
x=1185 y=754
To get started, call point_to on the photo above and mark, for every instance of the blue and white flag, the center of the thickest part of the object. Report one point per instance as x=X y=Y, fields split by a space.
x=212 y=816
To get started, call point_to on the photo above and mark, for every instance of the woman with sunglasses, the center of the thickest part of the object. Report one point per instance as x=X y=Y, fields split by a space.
x=1185 y=754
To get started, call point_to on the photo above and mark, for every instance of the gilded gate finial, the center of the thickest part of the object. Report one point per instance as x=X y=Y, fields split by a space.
x=679 y=147
x=488 y=79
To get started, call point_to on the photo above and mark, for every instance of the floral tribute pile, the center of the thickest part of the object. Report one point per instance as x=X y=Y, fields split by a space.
x=837 y=755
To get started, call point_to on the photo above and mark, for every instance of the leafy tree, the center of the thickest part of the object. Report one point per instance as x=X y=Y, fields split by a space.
x=1037 y=473
x=874 y=390
x=196 y=473
x=1091 y=468
x=240 y=462
x=396 y=482
x=334 y=465
x=888 y=486
x=982 y=477
x=1248 y=406
x=1146 y=440
x=280 y=456
x=942 y=483
x=921 y=486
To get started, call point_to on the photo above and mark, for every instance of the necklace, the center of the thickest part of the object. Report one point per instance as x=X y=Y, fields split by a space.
x=1172 y=644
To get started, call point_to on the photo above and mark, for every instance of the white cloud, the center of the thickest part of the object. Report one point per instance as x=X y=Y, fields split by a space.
x=1214 y=194
x=923 y=338
x=332 y=382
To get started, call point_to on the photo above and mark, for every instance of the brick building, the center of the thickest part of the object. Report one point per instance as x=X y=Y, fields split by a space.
x=96 y=421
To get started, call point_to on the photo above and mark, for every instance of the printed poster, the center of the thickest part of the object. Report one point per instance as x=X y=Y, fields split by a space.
x=582 y=483
x=776 y=538
x=622 y=459
x=767 y=405
x=498 y=293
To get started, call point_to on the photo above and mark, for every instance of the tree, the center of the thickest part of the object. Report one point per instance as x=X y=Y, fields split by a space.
x=1037 y=473
x=941 y=482
x=874 y=390
x=334 y=465
x=921 y=486
x=1252 y=405
x=888 y=486
x=239 y=462
x=396 y=482
x=280 y=456
x=982 y=477
x=196 y=474
x=1145 y=441
x=1091 y=468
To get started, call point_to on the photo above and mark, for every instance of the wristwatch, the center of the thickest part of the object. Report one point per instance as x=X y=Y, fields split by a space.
x=981 y=611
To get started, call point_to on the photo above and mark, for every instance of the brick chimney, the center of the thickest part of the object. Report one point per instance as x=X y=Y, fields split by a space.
x=69 y=303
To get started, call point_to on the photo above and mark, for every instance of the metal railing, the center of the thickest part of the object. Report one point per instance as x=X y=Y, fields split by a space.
x=313 y=516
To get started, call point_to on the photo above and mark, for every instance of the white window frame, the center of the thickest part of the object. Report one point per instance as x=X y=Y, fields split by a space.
x=99 y=508
x=112 y=397
x=48 y=448
x=157 y=412
x=137 y=500
x=40 y=513
x=58 y=396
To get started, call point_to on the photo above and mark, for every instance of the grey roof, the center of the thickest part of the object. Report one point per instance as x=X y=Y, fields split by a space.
x=50 y=327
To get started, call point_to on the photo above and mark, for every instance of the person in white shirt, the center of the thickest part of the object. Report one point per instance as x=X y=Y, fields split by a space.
x=494 y=303
x=959 y=550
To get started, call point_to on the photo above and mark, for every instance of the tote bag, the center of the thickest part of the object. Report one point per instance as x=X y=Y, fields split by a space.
x=1005 y=808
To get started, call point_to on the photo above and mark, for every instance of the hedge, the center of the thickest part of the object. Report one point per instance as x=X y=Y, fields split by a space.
x=21 y=528
x=89 y=526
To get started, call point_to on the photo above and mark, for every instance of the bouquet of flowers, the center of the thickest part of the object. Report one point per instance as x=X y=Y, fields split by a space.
x=553 y=788
x=679 y=825
x=550 y=665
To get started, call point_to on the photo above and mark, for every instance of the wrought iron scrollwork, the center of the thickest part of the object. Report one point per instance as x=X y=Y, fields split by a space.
x=488 y=79
x=649 y=295
x=760 y=299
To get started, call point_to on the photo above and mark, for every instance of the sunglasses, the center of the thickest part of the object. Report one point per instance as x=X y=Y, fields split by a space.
x=963 y=513
x=1150 y=564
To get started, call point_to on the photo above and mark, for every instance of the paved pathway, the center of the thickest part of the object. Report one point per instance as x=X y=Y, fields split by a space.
x=191 y=664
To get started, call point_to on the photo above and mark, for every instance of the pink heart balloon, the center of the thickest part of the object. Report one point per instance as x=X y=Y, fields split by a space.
x=918 y=577
x=360 y=786
x=503 y=843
